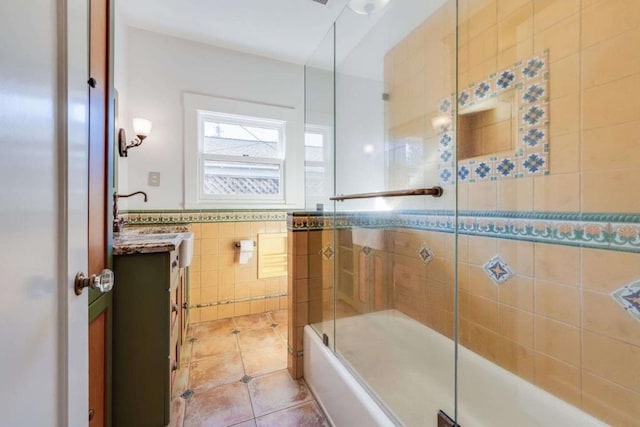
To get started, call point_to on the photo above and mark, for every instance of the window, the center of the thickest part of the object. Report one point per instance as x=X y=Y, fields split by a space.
x=240 y=154
x=317 y=167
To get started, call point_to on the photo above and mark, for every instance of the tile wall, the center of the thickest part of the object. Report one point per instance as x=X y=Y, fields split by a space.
x=220 y=287
x=215 y=276
x=554 y=321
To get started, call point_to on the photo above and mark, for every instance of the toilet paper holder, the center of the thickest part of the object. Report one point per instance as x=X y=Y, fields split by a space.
x=237 y=244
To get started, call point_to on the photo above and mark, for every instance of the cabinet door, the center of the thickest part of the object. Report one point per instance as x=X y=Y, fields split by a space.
x=100 y=361
x=184 y=306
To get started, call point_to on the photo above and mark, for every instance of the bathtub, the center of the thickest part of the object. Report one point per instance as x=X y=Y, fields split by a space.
x=411 y=368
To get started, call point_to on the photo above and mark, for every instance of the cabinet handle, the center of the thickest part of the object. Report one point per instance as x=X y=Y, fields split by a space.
x=174 y=365
x=174 y=264
x=92 y=414
x=174 y=307
x=185 y=305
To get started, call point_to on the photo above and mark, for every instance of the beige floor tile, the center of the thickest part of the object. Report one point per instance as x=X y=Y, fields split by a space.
x=221 y=406
x=210 y=329
x=253 y=321
x=280 y=316
x=214 y=346
x=277 y=391
x=261 y=361
x=178 y=405
x=217 y=370
x=307 y=415
x=250 y=423
x=258 y=338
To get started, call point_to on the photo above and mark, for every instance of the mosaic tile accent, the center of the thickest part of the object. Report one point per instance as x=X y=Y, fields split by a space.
x=505 y=80
x=505 y=167
x=425 y=254
x=328 y=252
x=619 y=232
x=498 y=270
x=482 y=91
x=530 y=80
x=445 y=106
x=628 y=297
x=186 y=216
x=366 y=250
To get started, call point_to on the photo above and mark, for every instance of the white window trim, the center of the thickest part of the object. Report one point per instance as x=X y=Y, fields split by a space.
x=293 y=164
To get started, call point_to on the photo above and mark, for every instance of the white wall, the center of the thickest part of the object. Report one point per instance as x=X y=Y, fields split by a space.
x=121 y=85
x=160 y=69
x=359 y=123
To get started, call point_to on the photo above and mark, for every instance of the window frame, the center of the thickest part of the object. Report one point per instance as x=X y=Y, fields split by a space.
x=327 y=164
x=197 y=108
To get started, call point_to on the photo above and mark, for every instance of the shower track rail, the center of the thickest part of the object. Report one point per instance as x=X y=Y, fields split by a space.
x=428 y=191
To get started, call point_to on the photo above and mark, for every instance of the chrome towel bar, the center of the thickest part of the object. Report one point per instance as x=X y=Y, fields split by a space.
x=429 y=191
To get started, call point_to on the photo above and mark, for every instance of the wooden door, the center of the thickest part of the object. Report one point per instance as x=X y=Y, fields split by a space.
x=98 y=232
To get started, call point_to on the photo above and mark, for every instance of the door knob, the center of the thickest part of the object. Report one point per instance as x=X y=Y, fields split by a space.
x=103 y=282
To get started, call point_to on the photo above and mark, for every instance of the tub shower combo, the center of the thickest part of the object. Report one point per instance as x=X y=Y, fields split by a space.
x=470 y=253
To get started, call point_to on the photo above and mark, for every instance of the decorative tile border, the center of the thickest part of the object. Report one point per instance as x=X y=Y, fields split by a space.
x=181 y=217
x=618 y=232
x=530 y=81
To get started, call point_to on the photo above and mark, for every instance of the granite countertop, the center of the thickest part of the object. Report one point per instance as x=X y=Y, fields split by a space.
x=146 y=240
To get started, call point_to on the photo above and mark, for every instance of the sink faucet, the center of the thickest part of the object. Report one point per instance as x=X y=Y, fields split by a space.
x=118 y=223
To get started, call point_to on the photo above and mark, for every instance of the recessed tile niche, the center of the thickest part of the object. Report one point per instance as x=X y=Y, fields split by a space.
x=489 y=128
x=503 y=124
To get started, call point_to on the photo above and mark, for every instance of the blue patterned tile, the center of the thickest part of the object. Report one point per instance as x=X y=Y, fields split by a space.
x=445 y=105
x=505 y=79
x=629 y=298
x=533 y=163
x=425 y=254
x=483 y=170
x=534 y=115
x=533 y=137
x=532 y=68
x=463 y=172
x=498 y=270
x=533 y=93
x=445 y=140
x=446 y=155
x=505 y=167
x=463 y=98
x=445 y=175
x=482 y=91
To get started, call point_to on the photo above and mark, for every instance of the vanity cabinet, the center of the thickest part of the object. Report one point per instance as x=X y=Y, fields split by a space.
x=149 y=325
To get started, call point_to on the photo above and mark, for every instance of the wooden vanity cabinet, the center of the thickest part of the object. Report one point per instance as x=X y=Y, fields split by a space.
x=148 y=330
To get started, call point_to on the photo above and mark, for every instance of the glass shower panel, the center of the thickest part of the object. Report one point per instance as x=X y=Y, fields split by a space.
x=549 y=270
x=315 y=242
x=394 y=257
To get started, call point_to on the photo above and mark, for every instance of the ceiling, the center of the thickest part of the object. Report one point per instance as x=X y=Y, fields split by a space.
x=288 y=30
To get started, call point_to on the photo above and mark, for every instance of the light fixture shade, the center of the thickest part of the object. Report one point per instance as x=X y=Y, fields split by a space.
x=367 y=7
x=141 y=127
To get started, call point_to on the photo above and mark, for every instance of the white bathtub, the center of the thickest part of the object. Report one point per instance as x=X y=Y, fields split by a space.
x=411 y=369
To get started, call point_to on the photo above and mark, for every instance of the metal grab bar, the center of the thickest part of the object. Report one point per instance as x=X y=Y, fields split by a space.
x=430 y=191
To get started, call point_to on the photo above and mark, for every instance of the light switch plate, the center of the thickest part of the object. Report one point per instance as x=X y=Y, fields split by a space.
x=154 y=179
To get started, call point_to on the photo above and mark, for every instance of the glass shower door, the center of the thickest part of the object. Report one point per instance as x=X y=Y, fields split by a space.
x=394 y=257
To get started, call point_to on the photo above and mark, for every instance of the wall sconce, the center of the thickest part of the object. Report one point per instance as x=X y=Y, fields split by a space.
x=142 y=129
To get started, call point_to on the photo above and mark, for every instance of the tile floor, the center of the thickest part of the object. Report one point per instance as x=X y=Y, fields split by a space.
x=237 y=372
